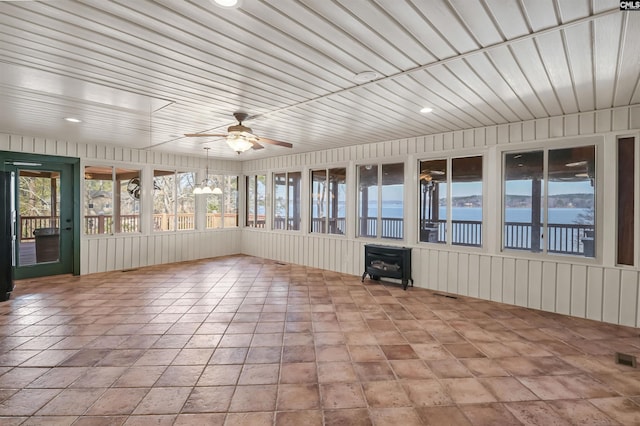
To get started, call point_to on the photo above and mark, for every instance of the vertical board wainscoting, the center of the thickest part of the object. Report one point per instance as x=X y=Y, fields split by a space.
x=598 y=289
x=113 y=253
x=124 y=251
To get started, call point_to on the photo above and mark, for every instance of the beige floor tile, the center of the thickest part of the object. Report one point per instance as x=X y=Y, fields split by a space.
x=207 y=399
x=385 y=394
x=163 y=400
x=71 y=402
x=254 y=398
x=298 y=397
x=342 y=395
x=240 y=340
x=117 y=401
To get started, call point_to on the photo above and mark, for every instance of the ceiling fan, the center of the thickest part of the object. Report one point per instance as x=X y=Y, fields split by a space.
x=240 y=138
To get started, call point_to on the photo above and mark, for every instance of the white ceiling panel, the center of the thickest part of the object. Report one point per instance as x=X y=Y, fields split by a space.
x=142 y=73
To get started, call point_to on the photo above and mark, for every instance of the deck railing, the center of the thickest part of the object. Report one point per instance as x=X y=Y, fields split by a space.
x=562 y=238
x=28 y=224
x=330 y=226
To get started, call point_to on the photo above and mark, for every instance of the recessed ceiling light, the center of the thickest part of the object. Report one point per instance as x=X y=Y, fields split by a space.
x=426 y=110
x=227 y=4
x=365 y=76
x=73 y=120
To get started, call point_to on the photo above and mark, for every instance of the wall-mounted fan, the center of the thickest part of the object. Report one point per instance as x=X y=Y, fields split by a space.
x=133 y=188
x=241 y=138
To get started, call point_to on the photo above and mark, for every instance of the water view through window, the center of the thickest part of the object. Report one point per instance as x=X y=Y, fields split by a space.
x=562 y=221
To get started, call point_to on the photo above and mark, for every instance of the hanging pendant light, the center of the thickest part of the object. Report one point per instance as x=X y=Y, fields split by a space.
x=205 y=185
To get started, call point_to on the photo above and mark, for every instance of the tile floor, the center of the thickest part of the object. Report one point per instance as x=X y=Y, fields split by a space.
x=245 y=341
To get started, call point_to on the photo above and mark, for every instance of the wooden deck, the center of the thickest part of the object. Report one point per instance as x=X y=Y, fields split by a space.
x=27 y=253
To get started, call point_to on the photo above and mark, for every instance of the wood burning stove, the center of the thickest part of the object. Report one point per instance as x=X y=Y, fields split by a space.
x=388 y=262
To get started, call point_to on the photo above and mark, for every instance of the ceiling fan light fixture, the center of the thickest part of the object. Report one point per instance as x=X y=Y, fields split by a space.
x=239 y=142
x=426 y=110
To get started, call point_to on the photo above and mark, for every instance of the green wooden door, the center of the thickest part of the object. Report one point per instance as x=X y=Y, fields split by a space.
x=43 y=217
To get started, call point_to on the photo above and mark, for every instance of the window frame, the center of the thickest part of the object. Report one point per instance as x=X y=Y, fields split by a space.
x=174 y=222
x=225 y=188
x=597 y=142
x=328 y=218
x=254 y=202
x=448 y=229
x=288 y=217
x=115 y=198
x=379 y=183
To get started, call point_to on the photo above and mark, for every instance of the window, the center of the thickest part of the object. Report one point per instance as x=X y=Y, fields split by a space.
x=173 y=200
x=384 y=183
x=286 y=206
x=433 y=201
x=112 y=200
x=550 y=193
x=466 y=201
x=461 y=218
x=222 y=204
x=256 y=195
x=328 y=200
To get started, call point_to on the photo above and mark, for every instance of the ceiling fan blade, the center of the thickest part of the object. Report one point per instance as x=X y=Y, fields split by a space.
x=274 y=142
x=198 y=135
x=256 y=145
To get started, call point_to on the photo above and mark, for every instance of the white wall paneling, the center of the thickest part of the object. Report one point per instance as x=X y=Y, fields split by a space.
x=595 y=289
x=116 y=252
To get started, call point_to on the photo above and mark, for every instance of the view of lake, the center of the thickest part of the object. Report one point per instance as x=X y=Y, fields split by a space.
x=556 y=215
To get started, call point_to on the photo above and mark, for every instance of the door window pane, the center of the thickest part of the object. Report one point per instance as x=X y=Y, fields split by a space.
x=39 y=216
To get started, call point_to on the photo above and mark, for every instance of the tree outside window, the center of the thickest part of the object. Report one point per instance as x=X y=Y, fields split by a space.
x=256 y=188
x=173 y=200
x=111 y=200
x=222 y=203
x=328 y=200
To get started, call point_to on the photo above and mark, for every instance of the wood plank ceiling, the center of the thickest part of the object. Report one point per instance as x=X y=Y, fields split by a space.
x=141 y=73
